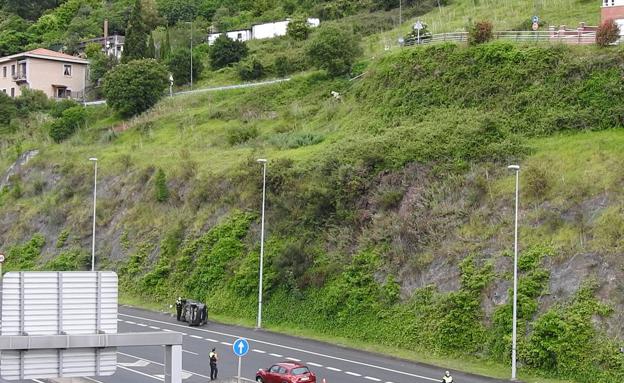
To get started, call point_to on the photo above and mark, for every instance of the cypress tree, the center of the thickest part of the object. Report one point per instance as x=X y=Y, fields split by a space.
x=136 y=35
x=165 y=49
x=151 y=48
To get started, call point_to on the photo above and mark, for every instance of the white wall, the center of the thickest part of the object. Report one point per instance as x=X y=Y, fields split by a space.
x=241 y=35
x=269 y=30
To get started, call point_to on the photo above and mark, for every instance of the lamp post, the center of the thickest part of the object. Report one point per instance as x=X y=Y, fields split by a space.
x=515 y=168
x=94 y=203
x=264 y=167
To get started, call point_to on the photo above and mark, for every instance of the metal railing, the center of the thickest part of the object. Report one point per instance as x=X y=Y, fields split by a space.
x=19 y=76
x=553 y=36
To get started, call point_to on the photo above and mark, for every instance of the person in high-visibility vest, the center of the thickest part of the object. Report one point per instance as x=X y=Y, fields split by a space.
x=213 y=364
x=447 y=378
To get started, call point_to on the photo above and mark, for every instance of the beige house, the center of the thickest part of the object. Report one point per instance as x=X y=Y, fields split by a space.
x=56 y=74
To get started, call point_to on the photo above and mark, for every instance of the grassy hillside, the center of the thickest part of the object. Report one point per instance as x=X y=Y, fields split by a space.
x=389 y=211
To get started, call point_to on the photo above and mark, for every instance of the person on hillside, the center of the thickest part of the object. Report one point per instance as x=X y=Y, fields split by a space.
x=213 y=364
x=447 y=378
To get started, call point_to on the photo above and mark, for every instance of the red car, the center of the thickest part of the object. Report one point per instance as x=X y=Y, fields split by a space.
x=286 y=372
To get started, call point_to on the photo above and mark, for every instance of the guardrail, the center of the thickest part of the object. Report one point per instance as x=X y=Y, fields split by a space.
x=563 y=37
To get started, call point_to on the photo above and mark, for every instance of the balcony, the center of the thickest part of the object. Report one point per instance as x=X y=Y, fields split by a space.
x=20 y=77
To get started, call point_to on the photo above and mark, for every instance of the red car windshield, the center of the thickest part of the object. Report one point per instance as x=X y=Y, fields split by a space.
x=300 y=371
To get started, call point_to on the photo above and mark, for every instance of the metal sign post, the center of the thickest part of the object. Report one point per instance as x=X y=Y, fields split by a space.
x=240 y=348
x=418 y=26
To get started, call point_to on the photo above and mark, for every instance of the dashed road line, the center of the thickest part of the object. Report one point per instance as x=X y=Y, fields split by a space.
x=160 y=364
x=372 y=378
x=196 y=336
x=226 y=343
x=141 y=324
x=190 y=352
x=154 y=327
x=258 y=351
x=130 y=322
x=333 y=369
x=352 y=373
x=277 y=355
x=293 y=359
x=211 y=340
x=315 y=364
x=141 y=373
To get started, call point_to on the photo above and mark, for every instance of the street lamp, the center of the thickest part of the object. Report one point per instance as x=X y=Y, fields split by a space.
x=515 y=168
x=191 y=53
x=264 y=165
x=94 y=201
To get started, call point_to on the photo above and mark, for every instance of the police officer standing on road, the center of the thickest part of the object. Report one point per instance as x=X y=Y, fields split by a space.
x=213 y=364
x=447 y=378
x=179 y=304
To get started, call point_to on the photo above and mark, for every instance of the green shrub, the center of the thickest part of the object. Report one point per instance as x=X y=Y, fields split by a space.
x=241 y=134
x=160 y=185
x=71 y=119
x=32 y=100
x=179 y=64
x=298 y=29
x=608 y=33
x=333 y=49
x=480 y=32
x=135 y=87
x=70 y=260
x=25 y=257
x=8 y=110
x=250 y=69
x=60 y=106
x=226 y=51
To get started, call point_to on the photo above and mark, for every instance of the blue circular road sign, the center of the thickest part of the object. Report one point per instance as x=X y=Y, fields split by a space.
x=240 y=347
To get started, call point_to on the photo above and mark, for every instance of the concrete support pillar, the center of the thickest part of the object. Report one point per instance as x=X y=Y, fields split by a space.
x=173 y=364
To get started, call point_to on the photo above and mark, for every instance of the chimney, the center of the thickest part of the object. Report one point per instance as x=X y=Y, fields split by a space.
x=106 y=35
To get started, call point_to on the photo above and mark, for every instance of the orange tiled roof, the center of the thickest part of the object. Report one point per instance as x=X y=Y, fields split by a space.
x=47 y=52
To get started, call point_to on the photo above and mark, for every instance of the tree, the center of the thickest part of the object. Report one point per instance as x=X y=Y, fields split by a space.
x=135 y=87
x=100 y=63
x=165 y=47
x=136 y=36
x=151 y=48
x=333 y=49
x=7 y=109
x=226 y=51
x=71 y=119
x=179 y=64
x=30 y=9
x=298 y=29
x=608 y=33
x=480 y=32
x=250 y=69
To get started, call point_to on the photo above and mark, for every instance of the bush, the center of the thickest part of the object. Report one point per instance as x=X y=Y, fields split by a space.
x=250 y=69
x=333 y=49
x=135 y=87
x=70 y=120
x=32 y=100
x=241 y=134
x=298 y=29
x=226 y=51
x=7 y=109
x=179 y=64
x=480 y=32
x=608 y=33
x=162 y=191
x=59 y=107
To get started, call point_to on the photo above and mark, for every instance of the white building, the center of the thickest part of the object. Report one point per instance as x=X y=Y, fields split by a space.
x=261 y=31
x=614 y=10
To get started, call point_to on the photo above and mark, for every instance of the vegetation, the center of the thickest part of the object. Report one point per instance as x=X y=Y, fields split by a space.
x=137 y=34
x=226 y=51
x=135 y=87
x=179 y=65
x=608 y=33
x=333 y=49
x=480 y=32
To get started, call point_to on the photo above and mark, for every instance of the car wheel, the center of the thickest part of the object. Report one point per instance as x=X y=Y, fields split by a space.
x=259 y=379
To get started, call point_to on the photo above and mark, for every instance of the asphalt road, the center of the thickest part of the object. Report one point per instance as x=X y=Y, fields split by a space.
x=334 y=363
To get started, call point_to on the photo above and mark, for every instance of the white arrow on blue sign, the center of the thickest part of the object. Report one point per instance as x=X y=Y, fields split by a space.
x=240 y=347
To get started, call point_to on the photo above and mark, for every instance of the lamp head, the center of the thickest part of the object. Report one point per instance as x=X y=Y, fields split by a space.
x=514 y=167
x=262 y=160
x=92 y=159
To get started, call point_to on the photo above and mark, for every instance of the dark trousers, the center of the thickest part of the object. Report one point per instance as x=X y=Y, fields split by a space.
x=213 y=371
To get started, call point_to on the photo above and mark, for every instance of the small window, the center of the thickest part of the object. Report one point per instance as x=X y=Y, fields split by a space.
x=4 y=91
x=12 y=92
x=300 y=371
x=282 y=370
x=67 y=70
x=240 y=36
x=4 y=73
x=63 y=93
x=274 y=369
x=12 y=70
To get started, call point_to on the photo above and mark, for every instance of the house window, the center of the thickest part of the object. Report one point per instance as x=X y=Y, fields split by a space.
x=12 y=70
x=4 y=91
x=240 y=36
x=67 y=70
x=63 y=93
x=4 y=73
x=12 y=92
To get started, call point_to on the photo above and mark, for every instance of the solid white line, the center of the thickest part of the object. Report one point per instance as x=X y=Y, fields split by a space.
x=159 y=364
x=294 y=359
x=373 y=379
x=352 y=373
x=141 y=373
x=276 y=355
x=258 y=351
x=294 y=349
x=196 y=336
x=315 y=364
x=333 y=369
x=190 y=352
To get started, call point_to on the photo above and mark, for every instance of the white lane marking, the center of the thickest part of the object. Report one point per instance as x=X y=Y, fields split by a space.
x=294 y=349
x=91 y=379
x=160 y=364
x=196 y=337
x=141 y=324
x=37 y=380
x=373 y=379
x=258 y=351
x=333 y=369
x=130 y=322
x=352 y=373
x=185 y=375
x=154 y=327
x=166 y=329
x=184 y=334
x=294 y=359
x=190 y=352
x=226 y=343
x=315 y=364
x=276 y=355
x=138 y=363
x=141 y=373
x=211 y=340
